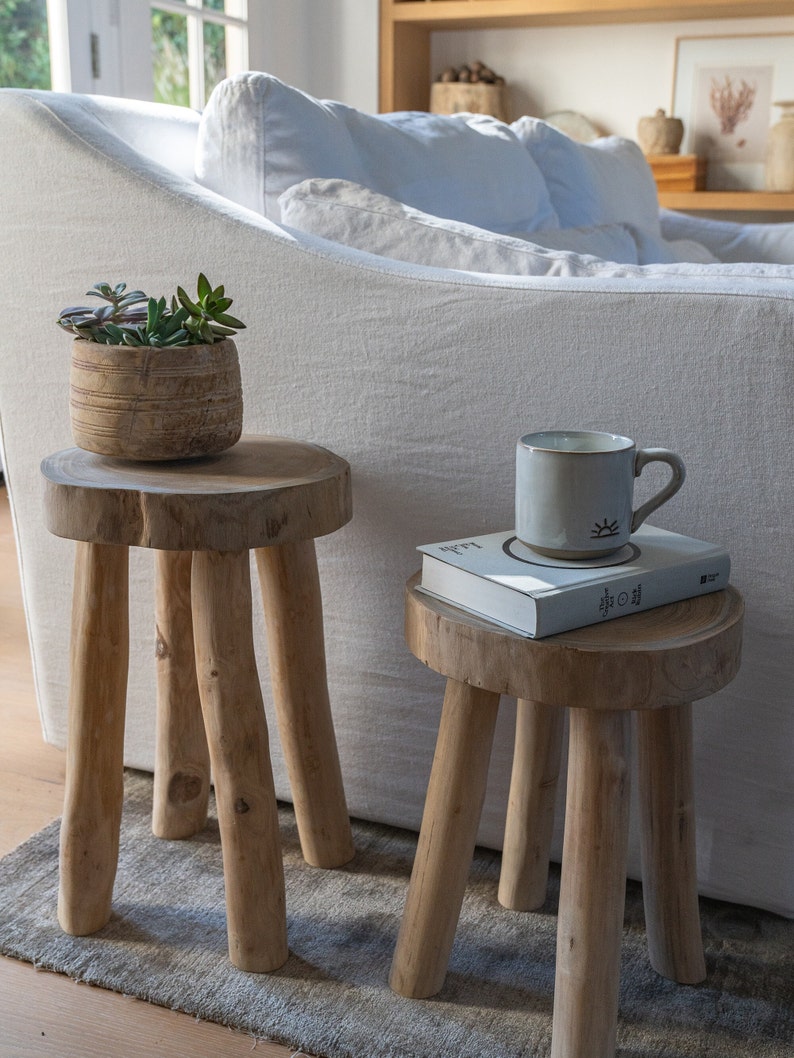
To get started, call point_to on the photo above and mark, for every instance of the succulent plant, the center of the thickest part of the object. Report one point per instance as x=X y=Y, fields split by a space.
x=133 y=318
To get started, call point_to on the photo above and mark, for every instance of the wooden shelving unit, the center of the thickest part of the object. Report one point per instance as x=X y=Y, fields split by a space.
x=729 y=201
x=406 y=27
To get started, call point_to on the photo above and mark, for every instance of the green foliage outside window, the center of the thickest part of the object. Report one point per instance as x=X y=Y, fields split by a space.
x=24 y=44
x=170 y=55
x=169 y=59
x=214 y=55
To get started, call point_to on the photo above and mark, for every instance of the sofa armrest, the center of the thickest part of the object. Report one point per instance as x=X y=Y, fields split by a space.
x=730 y=241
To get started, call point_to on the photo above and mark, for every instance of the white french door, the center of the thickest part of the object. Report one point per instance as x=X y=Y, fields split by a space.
x=172 y=51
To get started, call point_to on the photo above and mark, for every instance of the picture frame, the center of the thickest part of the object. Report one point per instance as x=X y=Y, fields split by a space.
x=724 y=90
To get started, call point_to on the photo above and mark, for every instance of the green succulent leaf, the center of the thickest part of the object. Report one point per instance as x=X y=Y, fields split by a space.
x=204 y=287
x=185 y=301
x=100 y=290
x=132 y=318
x=230 y=321
x=133 y=298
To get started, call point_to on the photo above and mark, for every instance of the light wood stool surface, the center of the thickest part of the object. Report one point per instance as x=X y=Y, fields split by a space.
x=655 y=663
x=202 y=517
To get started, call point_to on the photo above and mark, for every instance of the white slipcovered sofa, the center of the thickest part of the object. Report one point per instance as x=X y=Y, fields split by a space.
x=419 y=292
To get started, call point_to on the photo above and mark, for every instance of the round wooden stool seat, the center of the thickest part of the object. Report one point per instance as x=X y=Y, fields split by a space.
x=654 y=663
x=665 y=656
x=202 y=517
x=263 y=491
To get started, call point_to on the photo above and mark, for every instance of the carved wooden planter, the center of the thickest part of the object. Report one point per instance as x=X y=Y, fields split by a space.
x=155 y=404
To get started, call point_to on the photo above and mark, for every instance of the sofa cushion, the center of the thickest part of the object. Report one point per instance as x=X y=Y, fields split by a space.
x=592 y=183
x=609 y=242
x=258 y=136
x=365 y=220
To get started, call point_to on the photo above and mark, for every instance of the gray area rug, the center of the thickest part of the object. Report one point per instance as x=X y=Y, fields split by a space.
x=166 y=943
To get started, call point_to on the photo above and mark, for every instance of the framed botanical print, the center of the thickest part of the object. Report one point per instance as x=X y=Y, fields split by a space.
x=724 y=91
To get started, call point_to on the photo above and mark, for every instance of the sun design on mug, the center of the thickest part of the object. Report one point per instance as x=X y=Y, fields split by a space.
x=607 y=529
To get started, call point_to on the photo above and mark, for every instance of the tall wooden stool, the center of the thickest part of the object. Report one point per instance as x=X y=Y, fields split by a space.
x=656 y=663
x=202 y=516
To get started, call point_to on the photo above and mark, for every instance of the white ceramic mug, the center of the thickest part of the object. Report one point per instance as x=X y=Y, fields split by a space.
x=575 y=491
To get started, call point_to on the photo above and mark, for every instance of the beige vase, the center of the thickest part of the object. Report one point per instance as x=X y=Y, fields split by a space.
x=779 y=163
x=659 y=134
x=155 y=404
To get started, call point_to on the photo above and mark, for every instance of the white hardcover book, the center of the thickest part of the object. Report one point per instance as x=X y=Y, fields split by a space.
x=501 y=579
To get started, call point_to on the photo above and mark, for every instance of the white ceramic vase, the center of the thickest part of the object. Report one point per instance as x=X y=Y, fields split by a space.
x=779 y=166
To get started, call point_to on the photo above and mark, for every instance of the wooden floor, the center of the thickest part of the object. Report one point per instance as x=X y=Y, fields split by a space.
x=45 y=1014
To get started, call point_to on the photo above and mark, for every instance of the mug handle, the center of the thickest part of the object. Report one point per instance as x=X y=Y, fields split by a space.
x=676 y=464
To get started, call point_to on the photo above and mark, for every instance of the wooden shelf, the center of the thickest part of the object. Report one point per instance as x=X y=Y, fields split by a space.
x=488 y=14
x=406 y=27
x=729 y=201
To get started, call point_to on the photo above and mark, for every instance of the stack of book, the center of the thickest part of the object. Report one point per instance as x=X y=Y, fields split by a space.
x=499 y=578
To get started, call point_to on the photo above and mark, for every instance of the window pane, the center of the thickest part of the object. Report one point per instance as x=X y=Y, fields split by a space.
x=169 y=58
x=215 y=5
x=214 y=56
x=24 y=44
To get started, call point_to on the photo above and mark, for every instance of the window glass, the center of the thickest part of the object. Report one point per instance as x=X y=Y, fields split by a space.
x=170 y=58
x=214 y=56
x=24 y=44
x=196 y=43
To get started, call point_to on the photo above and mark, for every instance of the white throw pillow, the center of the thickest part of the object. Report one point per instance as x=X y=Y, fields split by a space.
x=606 y=181
x=365 y=220
x=610 y=242
x=258 y=136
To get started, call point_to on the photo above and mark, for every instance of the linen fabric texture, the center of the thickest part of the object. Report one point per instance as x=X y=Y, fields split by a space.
x=357 y=217
x=606 y=180
x=730 y=241
x=258 y=136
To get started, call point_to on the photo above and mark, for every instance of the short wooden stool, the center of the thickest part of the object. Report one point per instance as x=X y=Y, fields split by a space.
x=656 y=663
x=202 y=516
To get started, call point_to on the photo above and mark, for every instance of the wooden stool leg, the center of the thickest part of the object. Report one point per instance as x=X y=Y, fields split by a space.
x=234 y=716
x=669 y=869
x=446 y=842
x=593 y=887
x=530 y=808
x=182 y=761
x=95 y=755
x=296 y=650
